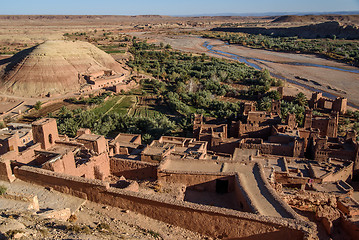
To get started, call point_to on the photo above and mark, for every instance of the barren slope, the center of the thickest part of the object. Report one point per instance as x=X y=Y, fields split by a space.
x=52 y=67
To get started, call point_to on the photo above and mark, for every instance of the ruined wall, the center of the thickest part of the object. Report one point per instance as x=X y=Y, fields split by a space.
x=125 y=87
x=226 y=147
x=344 y=174
x=207 y=220
x=99 y=146
x=65 y=164
x=5 y=171
x=325 y=153
x=286 y=179
x=196 y=181
x=131 y=169
x=97 y=168
x=270 y=148
x=85 y=170
x=29 y=152
x=10 y=144
x=254 y=131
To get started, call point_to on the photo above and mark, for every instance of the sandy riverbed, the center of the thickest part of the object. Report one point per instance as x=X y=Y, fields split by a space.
x=339 y=83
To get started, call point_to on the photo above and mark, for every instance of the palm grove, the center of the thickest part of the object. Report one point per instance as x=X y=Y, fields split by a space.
x=187 y=84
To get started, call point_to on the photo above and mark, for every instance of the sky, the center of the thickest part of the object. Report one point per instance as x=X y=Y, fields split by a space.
x=170 y=7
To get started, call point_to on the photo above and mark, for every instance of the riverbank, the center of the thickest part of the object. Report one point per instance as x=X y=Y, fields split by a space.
x=336 y=82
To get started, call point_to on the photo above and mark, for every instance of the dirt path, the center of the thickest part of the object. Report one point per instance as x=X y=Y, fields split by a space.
x=132 y=110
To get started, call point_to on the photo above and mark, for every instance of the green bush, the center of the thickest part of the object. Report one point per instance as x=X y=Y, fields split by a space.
x=37 y=105
x=3 y=189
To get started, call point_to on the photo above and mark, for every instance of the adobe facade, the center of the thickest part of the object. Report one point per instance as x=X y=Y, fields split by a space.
x=319 y=102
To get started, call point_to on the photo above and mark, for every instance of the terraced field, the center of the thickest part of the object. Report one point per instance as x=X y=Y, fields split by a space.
x=107 y=105
x=146 y=107
x=132 y=105
x=124 y=105
x=121 y=104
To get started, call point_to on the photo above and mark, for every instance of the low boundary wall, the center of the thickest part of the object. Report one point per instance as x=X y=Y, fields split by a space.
x=207 y=220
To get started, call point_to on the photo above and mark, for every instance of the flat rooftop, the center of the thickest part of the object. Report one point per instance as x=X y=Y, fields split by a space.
x=151 y=150
x=244 y=154
x=5 y=133
x=43 y=121
x=62 y=148
x=89 y=137
x=125 y=138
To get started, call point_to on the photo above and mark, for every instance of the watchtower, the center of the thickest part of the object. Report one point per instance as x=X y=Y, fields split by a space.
x=45 y=132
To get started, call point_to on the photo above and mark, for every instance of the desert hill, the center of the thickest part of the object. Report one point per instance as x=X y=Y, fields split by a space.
x=52 y=67
x=344 y=19
x=320 y=30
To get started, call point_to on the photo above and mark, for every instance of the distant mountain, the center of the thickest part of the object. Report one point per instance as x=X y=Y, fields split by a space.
x=272 y=14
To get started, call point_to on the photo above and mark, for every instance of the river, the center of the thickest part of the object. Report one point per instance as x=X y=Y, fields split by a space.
x=245 y=60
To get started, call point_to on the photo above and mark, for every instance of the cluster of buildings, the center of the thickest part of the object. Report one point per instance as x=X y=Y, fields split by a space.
x=106 y=79
x=243 y=159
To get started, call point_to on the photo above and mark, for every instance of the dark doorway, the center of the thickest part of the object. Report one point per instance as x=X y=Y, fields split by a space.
x=221 y=186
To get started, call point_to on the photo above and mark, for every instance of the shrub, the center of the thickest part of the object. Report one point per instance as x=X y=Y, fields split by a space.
x=103 y=226
x=154 y=234
x=37 y=105
x=3 y=189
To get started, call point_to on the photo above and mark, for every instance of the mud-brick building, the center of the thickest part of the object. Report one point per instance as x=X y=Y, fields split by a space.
x=84 y=156
x=319 y=102
x=327 y=125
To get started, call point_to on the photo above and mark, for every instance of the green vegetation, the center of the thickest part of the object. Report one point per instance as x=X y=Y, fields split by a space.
x=92 y=100
x=2 y=124
x=106 y=124
x=196 y=84
x=154 y=234
x=78 y=229
x=107 y=105
x=292 y=107
x=103 y=227
x=3 y=189
x=349 y=122
x=344 y=50
x=37 y=105
x=184 y=84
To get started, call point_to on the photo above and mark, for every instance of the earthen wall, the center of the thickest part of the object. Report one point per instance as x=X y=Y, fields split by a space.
x=344 y=174
x=131 y=169
x=196 y=181
x=211 y=221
